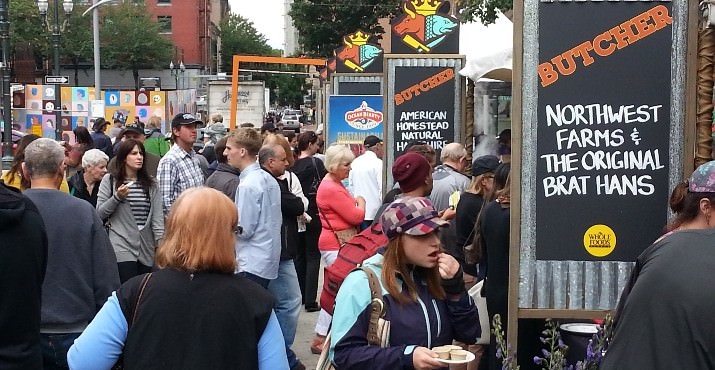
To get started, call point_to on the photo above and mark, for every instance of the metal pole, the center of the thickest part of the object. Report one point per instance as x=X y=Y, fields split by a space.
x=97 y=64
x=56 y=47
x=5 y=70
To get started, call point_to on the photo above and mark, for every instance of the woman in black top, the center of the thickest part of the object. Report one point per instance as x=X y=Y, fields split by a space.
x=494 y=226
x=310 y=171
x=479 y=192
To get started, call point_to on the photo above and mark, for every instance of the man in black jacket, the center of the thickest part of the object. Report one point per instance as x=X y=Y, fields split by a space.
x=285 y=287
x=23 y=259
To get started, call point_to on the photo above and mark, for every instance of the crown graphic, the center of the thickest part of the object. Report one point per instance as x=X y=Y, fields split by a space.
x=359 y=38
x=426 y=7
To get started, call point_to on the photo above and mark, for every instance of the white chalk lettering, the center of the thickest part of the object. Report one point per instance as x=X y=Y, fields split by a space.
x=600 y=114
x=560 y=162
x=421 y=126
x=622 y=160
x=587 y=137
x=624 y=185
x=564 y=185
x=423 y=115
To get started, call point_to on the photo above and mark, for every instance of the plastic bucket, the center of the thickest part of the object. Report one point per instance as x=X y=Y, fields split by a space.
x=576 y=336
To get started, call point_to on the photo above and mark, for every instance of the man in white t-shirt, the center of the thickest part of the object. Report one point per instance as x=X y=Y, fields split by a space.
x=366 y=177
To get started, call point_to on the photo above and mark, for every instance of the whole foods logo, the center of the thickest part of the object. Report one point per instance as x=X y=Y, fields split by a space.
x=363 y=118
x=599 y=240
x=424 y=24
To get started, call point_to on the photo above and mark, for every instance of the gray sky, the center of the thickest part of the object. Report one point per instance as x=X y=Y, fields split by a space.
x=266 y=15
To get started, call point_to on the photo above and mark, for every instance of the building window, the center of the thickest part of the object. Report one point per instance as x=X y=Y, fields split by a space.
x=164 y=24
x=163 y=2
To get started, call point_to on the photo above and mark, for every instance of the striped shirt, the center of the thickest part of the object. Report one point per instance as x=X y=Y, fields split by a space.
x=140 y=203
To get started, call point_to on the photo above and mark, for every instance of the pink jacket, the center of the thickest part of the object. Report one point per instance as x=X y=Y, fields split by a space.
x=338 y=206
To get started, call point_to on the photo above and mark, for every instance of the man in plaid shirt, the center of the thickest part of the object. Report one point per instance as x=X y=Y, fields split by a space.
x=179 y=168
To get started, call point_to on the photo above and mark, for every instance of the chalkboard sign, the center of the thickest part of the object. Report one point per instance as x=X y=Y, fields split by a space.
x=424 y=107
x=603 y=128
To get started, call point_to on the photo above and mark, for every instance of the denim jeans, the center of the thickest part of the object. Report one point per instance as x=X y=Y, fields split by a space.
x=54 y=350
x=256 y=279
x=287 y=293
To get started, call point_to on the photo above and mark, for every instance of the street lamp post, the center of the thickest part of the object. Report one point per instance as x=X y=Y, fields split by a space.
x=56 y=30
x=95 y=40
x=176 y=72
x=5 y=70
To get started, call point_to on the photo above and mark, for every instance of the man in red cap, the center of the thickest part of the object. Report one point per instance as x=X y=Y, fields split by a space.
x=413 y=174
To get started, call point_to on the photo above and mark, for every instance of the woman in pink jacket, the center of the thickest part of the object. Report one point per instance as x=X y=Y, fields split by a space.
x=340 y=215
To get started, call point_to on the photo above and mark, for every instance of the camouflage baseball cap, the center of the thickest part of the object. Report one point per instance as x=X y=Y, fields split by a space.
x=703 y=179
x=411 y=216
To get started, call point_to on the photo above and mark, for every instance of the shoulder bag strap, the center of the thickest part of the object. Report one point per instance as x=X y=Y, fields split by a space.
x=340 y=242
x=377 y=306
x=145 y=280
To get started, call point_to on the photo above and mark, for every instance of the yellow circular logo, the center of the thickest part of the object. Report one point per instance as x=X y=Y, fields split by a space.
x=599 y=240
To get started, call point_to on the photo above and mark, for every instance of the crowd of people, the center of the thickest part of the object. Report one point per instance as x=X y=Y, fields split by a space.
x=124 y=247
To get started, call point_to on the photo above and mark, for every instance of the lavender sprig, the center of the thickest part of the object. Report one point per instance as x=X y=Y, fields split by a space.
x=508 y=361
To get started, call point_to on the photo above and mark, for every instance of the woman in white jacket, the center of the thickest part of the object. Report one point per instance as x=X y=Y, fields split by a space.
x=130 y=204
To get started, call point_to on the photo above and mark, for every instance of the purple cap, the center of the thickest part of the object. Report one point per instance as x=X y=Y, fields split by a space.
x=411 y=216
x=703 y=179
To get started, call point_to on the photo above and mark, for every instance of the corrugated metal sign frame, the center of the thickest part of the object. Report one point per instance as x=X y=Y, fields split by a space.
x=338 y=78
x=408 y=60
x=578 y=285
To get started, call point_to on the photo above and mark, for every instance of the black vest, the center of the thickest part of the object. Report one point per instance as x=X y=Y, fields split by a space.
x=194 y=321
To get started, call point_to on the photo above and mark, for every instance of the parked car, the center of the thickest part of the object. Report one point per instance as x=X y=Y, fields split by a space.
x=291 y=122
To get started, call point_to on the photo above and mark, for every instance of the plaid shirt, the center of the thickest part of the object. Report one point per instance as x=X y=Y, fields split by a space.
x=178 y=171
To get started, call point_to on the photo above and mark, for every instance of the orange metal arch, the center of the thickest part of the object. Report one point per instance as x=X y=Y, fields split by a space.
x=237 y=59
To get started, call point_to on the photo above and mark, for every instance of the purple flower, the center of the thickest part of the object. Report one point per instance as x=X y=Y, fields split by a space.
x=538 y=360
x=499 y=353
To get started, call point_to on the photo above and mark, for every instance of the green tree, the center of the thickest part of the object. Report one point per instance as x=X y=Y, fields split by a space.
x=321 y=24
x=240 y=37
x=27 y=29
x=483 y=10
x=131 y=40
x=77 y=44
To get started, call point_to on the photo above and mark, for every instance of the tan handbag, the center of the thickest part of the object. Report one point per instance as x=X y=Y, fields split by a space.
x=378 y=331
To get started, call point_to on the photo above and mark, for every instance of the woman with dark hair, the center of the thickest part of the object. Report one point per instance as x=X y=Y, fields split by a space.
x=82 y=136
x=664 y=317
x=130 y=203
x=13 y=177
x=310 y=172
x=423 y=296
x=494 y=226
x=193 y=313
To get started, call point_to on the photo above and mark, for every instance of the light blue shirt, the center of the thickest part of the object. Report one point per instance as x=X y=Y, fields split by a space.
x=258 y=247
x=101 y=344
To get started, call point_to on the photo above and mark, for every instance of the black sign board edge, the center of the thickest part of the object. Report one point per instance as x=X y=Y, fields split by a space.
x=334 y=83
x=388 y=91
